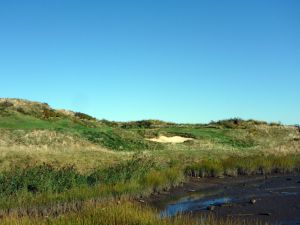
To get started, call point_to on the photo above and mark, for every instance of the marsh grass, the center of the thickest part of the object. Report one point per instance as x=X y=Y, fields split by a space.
x=48 y=195
x=43 y=185
x=250 y=165
x=119 y=212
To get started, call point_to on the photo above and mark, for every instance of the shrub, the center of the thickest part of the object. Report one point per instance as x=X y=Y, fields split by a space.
x=21 y=110
x=49 y=113
x=146 y=124
x=231 y=123
x=84 y=116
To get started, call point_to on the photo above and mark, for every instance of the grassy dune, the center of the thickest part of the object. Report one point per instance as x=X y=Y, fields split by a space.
x=58 y=162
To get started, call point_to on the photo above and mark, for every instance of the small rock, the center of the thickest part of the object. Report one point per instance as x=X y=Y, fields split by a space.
x=253 y=201
x=211 y=208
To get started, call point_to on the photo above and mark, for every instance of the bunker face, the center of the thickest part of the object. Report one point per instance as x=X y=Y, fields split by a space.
x=174 y=139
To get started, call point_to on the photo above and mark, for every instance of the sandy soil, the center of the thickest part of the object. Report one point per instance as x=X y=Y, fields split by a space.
x=174 y=139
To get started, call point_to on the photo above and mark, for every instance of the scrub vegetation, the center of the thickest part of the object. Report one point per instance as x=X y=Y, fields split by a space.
x=63 y=167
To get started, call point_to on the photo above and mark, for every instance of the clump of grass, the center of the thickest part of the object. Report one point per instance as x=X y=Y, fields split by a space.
x=154 y=180
x=135 y=168
x=206 y=168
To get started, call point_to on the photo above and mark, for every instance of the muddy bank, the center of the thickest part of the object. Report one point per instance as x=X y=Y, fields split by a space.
x=272 y=199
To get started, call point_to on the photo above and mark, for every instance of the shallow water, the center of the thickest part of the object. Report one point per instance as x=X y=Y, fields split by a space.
x=189 y=204
x=276 y=201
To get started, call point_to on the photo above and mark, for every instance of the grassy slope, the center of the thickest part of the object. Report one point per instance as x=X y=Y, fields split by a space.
x=32 y=133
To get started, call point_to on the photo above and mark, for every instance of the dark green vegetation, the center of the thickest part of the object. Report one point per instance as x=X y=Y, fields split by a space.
x=54 y=162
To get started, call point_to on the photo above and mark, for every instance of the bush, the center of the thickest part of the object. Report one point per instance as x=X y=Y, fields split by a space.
x=21 y=110
x=231 y=123
x=84 y=116
x=49 y=113
x=146 y=124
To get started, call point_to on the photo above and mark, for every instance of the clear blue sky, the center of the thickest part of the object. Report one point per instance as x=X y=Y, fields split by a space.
x=183 y=61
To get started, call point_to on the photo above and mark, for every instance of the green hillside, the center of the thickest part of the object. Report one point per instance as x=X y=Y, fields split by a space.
x=62 y=136
x=52 y=160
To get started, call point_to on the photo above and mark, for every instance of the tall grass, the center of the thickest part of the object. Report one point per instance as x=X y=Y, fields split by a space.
x=250 y=165
x=37 y=186
x=101 y=197
x=45 y=185
x=119 y=213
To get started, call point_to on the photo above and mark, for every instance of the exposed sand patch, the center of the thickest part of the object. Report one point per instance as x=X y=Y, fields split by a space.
x=174 y=139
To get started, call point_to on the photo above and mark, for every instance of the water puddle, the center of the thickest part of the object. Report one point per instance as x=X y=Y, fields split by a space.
x=285 y=193
x=192 y=204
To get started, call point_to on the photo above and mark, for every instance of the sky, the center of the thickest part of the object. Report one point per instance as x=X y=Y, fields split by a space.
x=188 y=61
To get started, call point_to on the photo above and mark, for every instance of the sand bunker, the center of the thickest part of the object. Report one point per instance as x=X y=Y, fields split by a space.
x=174 y=140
